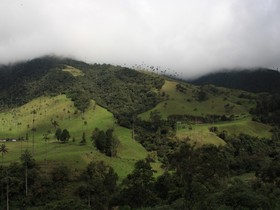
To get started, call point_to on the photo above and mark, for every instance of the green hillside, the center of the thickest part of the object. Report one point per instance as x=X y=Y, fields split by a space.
x=183 y=99
x=186 y=102
x=18 y=122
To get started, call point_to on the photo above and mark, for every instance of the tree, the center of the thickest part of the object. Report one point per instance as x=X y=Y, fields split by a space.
x=83 y=141
x=28 y=162
x=100 y=183
x=54 y=124
x=60 y=175
x=65 y=136
x=105 y=142
x=3 y=150
x=46 y=138
x=155 y=118
x=138 y=186
x=199 y=171
x=202 y=96
x=58 y=133
x=33 y=129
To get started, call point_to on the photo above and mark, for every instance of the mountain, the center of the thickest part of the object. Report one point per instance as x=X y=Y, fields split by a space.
x=122 y=91
x=69 y=130
x=257 y=80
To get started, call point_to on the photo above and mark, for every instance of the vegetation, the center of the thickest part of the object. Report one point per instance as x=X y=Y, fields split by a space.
x=105 y=142
x=107 y=137
x=121 y=90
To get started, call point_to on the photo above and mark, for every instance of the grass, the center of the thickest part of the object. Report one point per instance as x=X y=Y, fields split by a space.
x=179 y=103
x=200 y=133
x=72 y=70
x=17 y=122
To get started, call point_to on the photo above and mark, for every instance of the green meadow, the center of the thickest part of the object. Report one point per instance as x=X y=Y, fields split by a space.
x=18 y=123
x=184 y=103
x=180 y=103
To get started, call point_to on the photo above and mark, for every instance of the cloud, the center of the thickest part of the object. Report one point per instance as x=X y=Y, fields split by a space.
x=188 y=36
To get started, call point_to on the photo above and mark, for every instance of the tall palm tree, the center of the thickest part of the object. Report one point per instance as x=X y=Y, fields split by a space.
x=46 y=138
x=54 y=124
x=27 y=161
x=33 y=129
x=3 y=150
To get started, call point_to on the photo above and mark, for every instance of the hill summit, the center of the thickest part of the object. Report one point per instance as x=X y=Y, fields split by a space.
x=122 y=91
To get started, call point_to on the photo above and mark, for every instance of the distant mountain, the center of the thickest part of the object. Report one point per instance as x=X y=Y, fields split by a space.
x=257 y=80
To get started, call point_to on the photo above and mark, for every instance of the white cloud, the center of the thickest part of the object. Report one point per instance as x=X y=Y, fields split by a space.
x=188 y=36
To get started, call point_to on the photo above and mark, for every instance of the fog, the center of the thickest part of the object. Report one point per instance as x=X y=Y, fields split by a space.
x=190 y=37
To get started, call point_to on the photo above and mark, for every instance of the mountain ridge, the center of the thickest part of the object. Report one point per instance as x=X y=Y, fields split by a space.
x=253 y=80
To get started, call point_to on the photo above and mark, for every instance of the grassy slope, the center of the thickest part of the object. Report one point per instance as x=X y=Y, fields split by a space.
x=17 y=122
x=185 y=103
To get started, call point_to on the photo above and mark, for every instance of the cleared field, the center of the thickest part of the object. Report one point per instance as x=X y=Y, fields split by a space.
x=200 y=133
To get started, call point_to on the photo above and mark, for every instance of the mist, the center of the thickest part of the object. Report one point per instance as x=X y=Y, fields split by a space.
x=186 y=36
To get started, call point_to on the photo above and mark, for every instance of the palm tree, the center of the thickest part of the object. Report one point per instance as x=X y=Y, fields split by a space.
x=33 y=129
x=3 y=150
x=54 y=124
x=27 y=161
x=46 y=138
x=7 y=190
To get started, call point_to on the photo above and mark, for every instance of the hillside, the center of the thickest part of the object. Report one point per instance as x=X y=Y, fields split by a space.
x=121 y=90
x=255 y=80
x=17 y=124
x=90 y=136
x=195 y=109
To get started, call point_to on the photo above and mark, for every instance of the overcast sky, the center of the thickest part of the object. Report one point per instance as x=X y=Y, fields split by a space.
x=189 y=36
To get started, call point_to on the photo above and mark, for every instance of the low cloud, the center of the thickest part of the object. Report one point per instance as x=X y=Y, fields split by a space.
x=187 y=36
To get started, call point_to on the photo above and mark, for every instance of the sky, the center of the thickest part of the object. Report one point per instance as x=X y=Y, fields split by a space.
x=191 y=37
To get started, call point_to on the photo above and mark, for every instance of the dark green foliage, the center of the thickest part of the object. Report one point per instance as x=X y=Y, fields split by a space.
x=58 y=133
x=268 y=109
x=100 y=183
x=271 y=173
x=181 y=88
x=241 y=196
x=65 y=136
x=259 y=80
x=137 y=188
x=60 y=176
x=83 y=141
x=200 y=171
x=195 y=178
x=105 y=142
x=214 y=118
x=248 y=153
x=201 y=96
x=156 y=135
